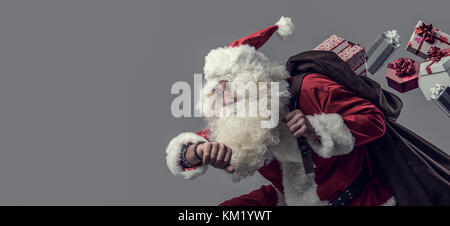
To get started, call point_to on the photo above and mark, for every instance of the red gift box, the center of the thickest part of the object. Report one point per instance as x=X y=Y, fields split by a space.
x=402 y=75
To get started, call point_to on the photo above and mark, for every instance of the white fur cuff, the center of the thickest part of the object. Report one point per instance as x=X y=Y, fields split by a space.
x=335 y=136
x=280 y=198
x=390 y=202
x=173 y=157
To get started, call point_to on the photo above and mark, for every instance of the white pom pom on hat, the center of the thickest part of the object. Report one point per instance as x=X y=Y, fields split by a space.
x=284 y=28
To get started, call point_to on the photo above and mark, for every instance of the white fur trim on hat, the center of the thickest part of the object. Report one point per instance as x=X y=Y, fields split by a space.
x=241 y=63
x=173 y=157
x=335 y=136
x=285 y=27
x=224 y=63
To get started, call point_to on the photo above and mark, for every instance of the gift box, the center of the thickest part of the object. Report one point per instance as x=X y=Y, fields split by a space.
x=426 y=36
x=434 y=70
x=402 y=74
x=381 y=49
x=440 y=95
x=352 y=53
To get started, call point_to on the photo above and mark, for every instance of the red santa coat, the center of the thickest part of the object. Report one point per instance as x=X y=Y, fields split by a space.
x=344 y=121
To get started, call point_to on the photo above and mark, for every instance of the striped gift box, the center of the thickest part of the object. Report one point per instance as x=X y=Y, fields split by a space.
x=352 y=53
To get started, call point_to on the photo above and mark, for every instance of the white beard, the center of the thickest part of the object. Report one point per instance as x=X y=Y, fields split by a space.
x=250 y=143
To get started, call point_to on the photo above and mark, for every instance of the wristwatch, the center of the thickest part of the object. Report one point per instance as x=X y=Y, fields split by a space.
x=195 y=150
x=183 y=155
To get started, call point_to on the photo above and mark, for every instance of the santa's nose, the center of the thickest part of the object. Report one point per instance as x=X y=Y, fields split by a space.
x=229 y=99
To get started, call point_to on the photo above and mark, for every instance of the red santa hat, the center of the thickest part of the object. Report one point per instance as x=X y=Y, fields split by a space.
x=225 y=63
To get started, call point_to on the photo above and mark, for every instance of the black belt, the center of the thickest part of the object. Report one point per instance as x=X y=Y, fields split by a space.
x=350 y=192
x=353 y=190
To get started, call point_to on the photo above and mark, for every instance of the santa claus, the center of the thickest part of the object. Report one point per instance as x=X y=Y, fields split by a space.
x=336 y=123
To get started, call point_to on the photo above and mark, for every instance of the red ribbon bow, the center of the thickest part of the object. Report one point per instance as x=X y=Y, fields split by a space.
x=427 y=32
x=435 y=53
x=403 y=66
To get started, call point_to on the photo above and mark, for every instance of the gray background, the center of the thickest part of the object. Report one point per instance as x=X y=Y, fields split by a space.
x=85 y=89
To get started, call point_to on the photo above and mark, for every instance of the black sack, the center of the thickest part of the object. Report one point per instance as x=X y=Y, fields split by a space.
x=417 y=171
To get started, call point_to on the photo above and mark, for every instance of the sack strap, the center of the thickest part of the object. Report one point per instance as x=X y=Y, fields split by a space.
x=302 y=145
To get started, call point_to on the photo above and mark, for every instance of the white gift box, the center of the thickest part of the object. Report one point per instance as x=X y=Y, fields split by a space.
x=417 y=45
x=440 y=95
x=439 y=74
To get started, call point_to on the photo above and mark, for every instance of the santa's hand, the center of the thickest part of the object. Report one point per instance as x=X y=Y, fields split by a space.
x=298 y=124
x=217 y=155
